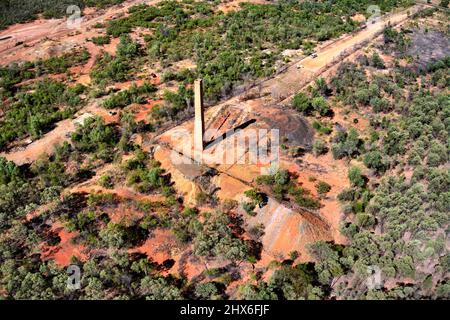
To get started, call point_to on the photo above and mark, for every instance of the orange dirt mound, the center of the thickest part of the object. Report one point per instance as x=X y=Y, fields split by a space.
x=124 y=213
x=158 y=247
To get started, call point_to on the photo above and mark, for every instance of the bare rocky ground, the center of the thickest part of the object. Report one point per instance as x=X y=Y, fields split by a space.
x=428 y=46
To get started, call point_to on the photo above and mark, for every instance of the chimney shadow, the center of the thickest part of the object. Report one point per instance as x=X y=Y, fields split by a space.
x=228 y=134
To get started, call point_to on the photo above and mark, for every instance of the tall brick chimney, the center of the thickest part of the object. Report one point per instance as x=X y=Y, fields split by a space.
x=199 y=125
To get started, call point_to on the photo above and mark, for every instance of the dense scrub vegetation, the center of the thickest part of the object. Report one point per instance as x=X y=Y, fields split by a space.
x=135 y=94
x=101 y=40
x=25 y=275
x=97 y=138
x=396 y=224
x=118 y=68
x=12 y=75
x=396 y=209
x=175 y=103
x=31 y=109
x=230 y=49
x=289 y=282
x=34 y=113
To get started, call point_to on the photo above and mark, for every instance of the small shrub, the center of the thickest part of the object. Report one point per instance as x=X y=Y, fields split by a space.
x=319 y=148
x=106 y=181
x=323 y=187
x=101 y=40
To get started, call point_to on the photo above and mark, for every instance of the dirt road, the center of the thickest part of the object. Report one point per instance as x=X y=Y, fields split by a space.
x=335 y=50
x=303 y=71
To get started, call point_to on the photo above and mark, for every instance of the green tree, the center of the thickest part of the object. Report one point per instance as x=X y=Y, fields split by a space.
x=322 y=86
x=356 y=177
x=374 y=160
x=293 y=283
x=323 y=187
x=206 y=290
x=262 y=291
x=376 y=61
x=319 y=147
x=320 y=104
x=328 y=264
x=302 y=103
x=159 y=289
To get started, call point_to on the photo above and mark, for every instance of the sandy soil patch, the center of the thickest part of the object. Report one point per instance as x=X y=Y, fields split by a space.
x=63 y=252
x=359 y=18
x=159 y=246
x=125 y=193
x=124 y=213
x=351 y=120
x=230 y=188
x=45 y=145
x=184 y=64
x=142 y=111
x=109 y=116
x=334 y=172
